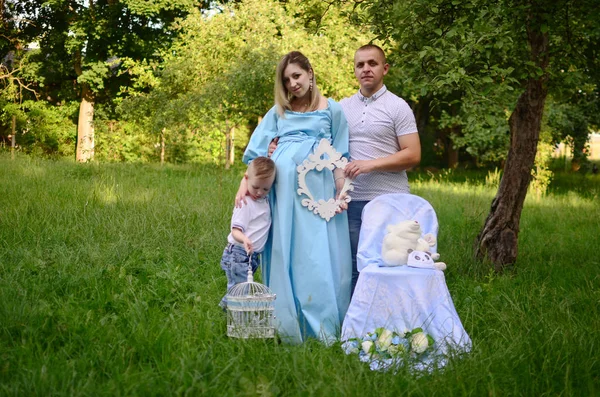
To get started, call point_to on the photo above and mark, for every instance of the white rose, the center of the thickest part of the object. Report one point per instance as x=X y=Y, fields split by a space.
x=385 y=339
x=419 y=342
x=366 y=346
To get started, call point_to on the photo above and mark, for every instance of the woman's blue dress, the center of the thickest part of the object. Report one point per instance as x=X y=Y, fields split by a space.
x=307 y=261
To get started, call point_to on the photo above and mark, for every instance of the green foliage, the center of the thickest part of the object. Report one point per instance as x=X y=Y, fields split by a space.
x=80 y=47
x=484 y=131
x=110 y=280
x=219 y=72
x=42 y=129
x=469 y=60
x=86 y=40
x=123 y=142
x=570 y=122
x=492 y=179
x=94 y=75
x=171 y=67
x=457 y=57
x=541 y=173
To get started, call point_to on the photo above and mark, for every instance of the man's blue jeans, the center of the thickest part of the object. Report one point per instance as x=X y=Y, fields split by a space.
x=355 y=209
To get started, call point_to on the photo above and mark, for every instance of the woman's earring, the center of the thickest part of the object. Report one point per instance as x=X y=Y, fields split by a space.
x=310 y=85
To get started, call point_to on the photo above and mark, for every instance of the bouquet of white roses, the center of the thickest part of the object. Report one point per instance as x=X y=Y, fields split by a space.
x=385 y=347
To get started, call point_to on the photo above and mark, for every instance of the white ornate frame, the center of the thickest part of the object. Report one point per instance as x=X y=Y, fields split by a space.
x=325 y=209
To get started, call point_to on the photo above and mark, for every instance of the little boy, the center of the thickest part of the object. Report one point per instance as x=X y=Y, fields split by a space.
x=249 y=225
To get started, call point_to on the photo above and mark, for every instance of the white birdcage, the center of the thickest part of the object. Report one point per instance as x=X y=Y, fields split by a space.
x=250 y=310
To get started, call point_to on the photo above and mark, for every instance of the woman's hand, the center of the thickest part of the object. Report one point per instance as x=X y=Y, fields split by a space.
x=343 y=206
x=240 y=196
x=273 y=146
x=339 y=185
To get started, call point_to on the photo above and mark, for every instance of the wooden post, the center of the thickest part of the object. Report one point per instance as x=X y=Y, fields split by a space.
x=162 y=147
x=13 y=137
x=227 y=149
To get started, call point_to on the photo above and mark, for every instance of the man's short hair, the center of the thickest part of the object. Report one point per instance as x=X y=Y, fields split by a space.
x=262 y=167
x=373 y=47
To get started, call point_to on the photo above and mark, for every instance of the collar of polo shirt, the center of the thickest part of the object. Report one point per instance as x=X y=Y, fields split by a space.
x=373 y=97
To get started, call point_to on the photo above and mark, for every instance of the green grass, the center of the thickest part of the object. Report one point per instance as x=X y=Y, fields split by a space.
x=110 y=279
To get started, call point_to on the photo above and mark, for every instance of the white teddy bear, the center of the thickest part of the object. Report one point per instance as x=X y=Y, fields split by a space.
x=402 y=238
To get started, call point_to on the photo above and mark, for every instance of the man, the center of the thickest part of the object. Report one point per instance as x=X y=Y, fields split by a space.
x=384 y=140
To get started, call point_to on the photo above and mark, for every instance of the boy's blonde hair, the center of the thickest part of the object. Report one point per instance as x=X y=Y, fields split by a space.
x=262 y=168
x=282 y=96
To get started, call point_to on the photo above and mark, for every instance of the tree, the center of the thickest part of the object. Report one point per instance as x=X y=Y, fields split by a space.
x=498 y=240
x=574 y=110
x=559 y=35
x=219 y=72
x=471 y=51
x=449 y=63
x=83 y=42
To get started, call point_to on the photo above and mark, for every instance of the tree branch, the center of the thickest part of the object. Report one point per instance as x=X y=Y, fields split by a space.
x=9 y=75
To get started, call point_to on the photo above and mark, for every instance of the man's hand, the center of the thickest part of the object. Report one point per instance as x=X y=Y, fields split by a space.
x=358 y=167
x=408 y=157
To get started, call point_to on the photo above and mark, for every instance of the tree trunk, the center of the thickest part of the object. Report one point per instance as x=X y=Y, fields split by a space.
x=421 y=111
x=450 y=152
x=580 y=139
x=498 y=240
x=456 y=130
x=13 y=137
x=162 y=147
x=229 y=154
x=85 y=126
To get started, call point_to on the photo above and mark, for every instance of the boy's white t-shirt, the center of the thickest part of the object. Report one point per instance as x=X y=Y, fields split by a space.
x=254 y=220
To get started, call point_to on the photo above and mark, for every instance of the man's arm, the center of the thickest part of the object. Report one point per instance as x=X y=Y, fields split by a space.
x=407 y=157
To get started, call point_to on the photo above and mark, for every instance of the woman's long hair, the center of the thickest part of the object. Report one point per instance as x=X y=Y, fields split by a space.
x=282 y=96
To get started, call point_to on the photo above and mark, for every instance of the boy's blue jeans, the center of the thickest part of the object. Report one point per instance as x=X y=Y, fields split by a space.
x=235 y=264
